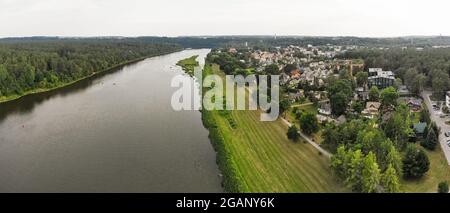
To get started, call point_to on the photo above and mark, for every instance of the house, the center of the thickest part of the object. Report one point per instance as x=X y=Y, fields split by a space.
x=361 y=94
x=325 y=109
x=414 y=104
x=324 y=119
x=232 y=50
x=293 y=97
x=419 y=129
x=371 y=109
x=381 y=79
x=295 y=74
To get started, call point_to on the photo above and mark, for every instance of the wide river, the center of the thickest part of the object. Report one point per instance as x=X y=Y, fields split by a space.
x=115 y=132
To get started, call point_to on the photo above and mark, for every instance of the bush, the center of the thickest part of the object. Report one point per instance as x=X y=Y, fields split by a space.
x=443 y=187
x=293 y=133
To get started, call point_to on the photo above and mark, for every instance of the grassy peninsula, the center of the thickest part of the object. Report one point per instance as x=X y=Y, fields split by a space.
x=189 y=64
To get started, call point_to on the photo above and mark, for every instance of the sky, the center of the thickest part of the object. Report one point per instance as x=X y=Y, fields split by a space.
x=366 y=18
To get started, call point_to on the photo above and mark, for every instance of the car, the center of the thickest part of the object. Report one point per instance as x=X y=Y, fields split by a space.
x=447 y=134
x=442 y=116
x=448 y=143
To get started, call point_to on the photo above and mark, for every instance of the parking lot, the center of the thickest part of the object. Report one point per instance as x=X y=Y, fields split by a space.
x=440 y=119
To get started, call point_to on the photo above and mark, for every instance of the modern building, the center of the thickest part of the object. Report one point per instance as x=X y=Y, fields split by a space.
x=381 y=79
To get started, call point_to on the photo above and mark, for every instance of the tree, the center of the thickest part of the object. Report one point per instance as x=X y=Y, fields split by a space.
x=284 y=106
x=443 y=187
x=390 y=181
x=431 y=140
x=389 y=96
x=272 y=69
x=339 y=162
x=370 y=174
x=309 y=123
x=358 y=106
x=439 y=83
x=374 y=94
x=415 y=162
x=338 y=103
x=425 y=116
x=330 y=136
x=289 y=67
x=355 y=171
x=362 y=78
x=293 y=133
x=398 y=127
x=418 y=84
x=340 y=93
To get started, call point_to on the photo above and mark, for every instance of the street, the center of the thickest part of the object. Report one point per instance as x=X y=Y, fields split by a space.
x=435 y=116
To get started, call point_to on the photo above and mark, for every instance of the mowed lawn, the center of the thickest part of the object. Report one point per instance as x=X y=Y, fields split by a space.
x=439 y=171
x=264 y=159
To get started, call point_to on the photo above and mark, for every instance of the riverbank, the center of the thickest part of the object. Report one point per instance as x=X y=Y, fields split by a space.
x=4 y=99
x=256 y=156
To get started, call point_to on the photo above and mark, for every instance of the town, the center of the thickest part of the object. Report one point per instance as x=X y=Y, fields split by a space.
x=344 y=107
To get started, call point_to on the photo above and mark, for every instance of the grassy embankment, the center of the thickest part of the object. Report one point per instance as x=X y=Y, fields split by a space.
x=61 y=85
x=256 y=156
x=189 y=64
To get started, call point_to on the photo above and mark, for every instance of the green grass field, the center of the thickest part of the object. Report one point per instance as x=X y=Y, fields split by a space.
x=188 y=64
x=439 y=171
x=262 y=159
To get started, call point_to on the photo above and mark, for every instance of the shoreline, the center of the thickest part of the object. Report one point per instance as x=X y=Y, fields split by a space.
x=42 y=90
x=229 y=180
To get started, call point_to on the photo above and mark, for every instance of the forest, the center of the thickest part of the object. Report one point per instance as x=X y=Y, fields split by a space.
x=32 y=66
x=419 y=69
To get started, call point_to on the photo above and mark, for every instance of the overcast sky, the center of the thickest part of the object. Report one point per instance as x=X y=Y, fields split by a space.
x=371 y=18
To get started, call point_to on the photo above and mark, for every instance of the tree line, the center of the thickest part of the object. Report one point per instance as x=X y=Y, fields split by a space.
x=418 y=69
x=42 y=65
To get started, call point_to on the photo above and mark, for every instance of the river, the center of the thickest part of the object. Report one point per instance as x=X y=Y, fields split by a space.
x=115 y=132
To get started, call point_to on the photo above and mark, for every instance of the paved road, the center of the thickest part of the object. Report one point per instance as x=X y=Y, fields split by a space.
x=314 y=144
x=441 y=123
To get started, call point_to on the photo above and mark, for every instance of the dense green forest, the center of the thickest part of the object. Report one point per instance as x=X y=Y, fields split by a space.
x=32 y=66
x=418 y=69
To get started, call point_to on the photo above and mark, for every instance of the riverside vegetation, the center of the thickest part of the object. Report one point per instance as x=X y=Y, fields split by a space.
x=33 y=67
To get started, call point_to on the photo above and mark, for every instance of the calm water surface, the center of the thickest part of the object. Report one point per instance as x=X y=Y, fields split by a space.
x=115 y=132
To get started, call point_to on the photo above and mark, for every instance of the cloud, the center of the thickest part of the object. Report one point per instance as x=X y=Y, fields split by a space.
x=223 y=17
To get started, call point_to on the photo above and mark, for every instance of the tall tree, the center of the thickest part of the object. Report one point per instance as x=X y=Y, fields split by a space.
x=390 y=180
x=309 y=123
x=389 y=96
x=431 y=140
x=415 y=162
x=370 y=174
x=374 y=94
x=362 y=78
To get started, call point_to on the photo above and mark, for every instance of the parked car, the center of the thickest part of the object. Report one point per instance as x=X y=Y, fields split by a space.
x=447 y=134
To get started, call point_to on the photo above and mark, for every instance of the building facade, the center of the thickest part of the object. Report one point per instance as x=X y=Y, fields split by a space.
x=381 y=79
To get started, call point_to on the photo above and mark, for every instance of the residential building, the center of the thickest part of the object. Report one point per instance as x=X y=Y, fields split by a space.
x=381 y=79
x=371 y=109
x=325 y=109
